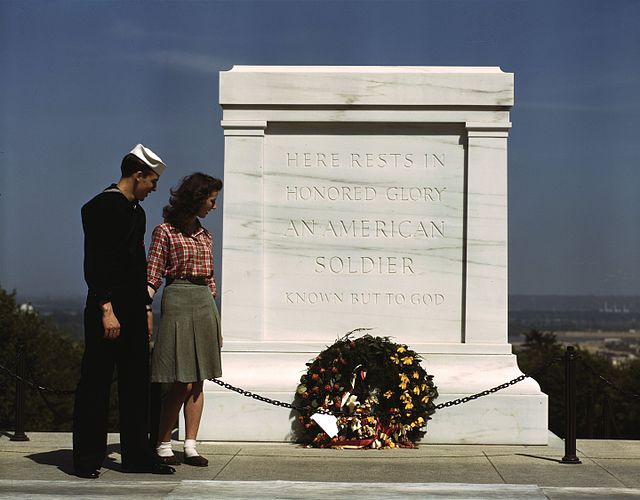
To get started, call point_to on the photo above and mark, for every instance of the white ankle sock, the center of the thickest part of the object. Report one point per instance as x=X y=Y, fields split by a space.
x=164 y=449
x=190 y=448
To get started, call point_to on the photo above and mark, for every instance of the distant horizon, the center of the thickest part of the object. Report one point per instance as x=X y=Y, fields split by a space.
x=83 y=82
x=35 y=296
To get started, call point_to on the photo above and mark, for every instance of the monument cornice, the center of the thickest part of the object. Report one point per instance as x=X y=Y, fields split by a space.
x=366 y=86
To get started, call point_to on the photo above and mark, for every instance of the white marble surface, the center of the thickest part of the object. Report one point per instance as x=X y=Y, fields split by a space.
x=363 y=228
x=368 y=197
x=514 y=415
x=366 y=85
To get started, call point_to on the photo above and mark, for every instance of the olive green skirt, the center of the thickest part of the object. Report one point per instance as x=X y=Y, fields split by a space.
x=187 y=346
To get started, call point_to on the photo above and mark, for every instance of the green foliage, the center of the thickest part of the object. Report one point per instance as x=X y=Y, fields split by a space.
x=52 y=360
x=602 y=412
x=537 y=350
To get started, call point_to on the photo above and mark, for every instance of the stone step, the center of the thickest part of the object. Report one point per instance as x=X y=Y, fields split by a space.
x=259 y=490
x=296 y=490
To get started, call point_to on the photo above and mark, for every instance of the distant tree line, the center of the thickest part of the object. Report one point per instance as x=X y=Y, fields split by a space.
x=52 y=360
x=602 y=411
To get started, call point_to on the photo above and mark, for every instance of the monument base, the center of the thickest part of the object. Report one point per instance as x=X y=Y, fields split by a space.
x=515 y=415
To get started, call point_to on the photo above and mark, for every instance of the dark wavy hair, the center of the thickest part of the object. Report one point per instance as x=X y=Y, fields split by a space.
x=187 y=198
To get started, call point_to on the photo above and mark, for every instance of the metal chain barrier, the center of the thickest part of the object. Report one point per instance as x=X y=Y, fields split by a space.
x=607 y=382
x=448 y=404
x=35 y=385
x=466 y=399
x=270 y=401
x=300 y=409
x=497 y=388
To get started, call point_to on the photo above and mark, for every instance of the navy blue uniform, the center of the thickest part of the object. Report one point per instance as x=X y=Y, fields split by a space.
x=115 y=271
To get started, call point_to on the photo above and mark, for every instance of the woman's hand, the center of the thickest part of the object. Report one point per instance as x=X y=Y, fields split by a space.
x=151 y=291
x=150 y=323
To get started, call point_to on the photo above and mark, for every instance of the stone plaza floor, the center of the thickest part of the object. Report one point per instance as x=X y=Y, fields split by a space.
x=42 y=468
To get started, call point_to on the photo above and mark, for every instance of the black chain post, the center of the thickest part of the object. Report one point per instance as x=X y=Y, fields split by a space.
x=606 y=416
x=570 y=407
x=19 y=434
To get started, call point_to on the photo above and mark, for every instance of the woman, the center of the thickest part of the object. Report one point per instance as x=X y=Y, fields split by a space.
x=187 y=348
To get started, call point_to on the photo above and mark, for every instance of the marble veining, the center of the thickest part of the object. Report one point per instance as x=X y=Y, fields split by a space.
x=353 y=195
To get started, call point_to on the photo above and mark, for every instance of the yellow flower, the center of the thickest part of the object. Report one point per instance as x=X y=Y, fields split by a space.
x=425 y=399
x=416 y=390
x=418 y=422
x=404 y=381
x=408 y=405
x=401 y=349
x=423 y=387
x=388 y=394
x=407 y=360
x=395 y=359
x=416 y=375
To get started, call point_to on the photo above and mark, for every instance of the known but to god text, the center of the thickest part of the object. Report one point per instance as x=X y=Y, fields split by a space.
x=365 y=298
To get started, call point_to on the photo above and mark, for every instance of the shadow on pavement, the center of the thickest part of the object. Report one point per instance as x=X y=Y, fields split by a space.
x=63 y=459
x=539 y=457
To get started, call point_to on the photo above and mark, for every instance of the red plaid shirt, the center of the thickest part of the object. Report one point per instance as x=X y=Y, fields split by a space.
x=175 y=255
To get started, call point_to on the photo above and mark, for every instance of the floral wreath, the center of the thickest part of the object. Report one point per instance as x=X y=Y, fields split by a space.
x=379 y=393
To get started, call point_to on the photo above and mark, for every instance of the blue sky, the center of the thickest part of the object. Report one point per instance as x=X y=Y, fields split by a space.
x=83 y=81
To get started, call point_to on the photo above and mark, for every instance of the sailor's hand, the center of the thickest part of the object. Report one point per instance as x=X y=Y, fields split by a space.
x=110 y=322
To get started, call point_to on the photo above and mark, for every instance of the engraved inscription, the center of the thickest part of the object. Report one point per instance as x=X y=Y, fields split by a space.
x=428 y=299
x=364 y=193
x=401 y=193
x=331 y=193
x=366 y=228
x=363 y=160
x=364 y=265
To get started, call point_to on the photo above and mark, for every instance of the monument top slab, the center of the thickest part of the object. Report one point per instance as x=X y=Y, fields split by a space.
x=366 y=69
x=366 y=86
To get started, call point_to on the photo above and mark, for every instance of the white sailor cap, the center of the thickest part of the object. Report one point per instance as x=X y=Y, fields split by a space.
x=149 y=158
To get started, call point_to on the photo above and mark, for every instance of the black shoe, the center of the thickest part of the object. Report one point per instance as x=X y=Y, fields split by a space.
x=170 y=460
x=88 y=473
x=151 y=469
x=197 y=461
